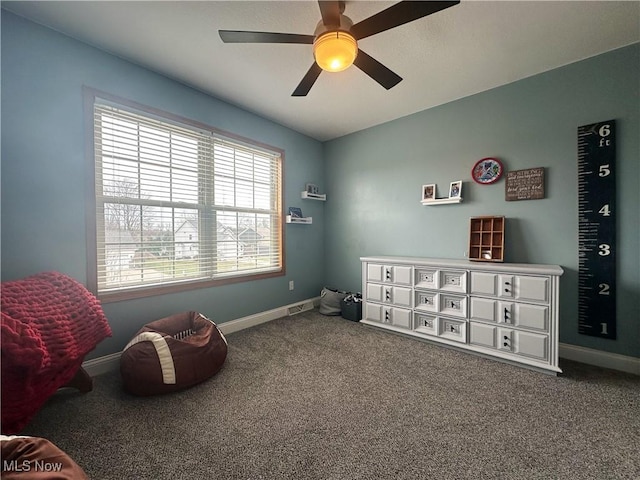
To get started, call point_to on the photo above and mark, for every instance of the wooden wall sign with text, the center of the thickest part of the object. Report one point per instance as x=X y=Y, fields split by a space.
x=525 y=184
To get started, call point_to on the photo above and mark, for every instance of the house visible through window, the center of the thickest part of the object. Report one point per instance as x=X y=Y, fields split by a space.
x=178 y=204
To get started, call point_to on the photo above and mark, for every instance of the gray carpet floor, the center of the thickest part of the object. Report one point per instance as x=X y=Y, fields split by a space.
x=315 y=397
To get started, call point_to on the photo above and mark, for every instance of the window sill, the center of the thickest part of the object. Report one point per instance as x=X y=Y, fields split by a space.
x=156 y=290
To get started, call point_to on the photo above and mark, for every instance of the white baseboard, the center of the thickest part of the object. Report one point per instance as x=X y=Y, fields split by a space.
x=263 y=317
x=623 y=363
x=600 y=358
x=104 y=364
x=111 y=362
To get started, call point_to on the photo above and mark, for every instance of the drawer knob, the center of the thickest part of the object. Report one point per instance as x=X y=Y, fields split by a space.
x=506 y=338
x=505 y=344
x=507 y=290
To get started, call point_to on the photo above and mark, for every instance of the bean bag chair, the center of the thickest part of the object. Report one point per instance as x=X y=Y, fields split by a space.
x=35 y=458
x=172 y=354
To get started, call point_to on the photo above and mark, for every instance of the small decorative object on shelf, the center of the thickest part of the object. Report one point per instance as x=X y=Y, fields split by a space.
x=295 y=212
x=303 y=220
x=487 y=171
x=486 y=239
x=429 y=192
x=311 y=192
x=455 y=190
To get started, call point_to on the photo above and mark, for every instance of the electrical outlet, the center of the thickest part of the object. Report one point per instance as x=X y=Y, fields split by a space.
x=291 y=285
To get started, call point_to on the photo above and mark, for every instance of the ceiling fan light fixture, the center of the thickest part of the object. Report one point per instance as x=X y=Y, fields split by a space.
x=335 y=51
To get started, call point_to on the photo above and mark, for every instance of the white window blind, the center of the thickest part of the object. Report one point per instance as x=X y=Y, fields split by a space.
x=178 y=204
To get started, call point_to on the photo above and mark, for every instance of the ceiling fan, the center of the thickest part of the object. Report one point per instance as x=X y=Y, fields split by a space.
x=334 y=41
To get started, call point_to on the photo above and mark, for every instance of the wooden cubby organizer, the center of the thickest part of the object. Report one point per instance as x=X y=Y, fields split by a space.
x=486 y=239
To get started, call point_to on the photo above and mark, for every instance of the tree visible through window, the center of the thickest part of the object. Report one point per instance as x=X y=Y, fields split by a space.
x=177 y=203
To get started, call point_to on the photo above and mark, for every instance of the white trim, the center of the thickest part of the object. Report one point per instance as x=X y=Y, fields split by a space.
x=600 y=358
x=104 y=364
x=111 y=362
x=623 y=363
x=263 y=317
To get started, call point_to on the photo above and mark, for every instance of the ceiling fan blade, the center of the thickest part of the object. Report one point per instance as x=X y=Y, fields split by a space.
x=330 y=13
x=307 y=82
x=396 y=15
x=376 y=70
x=235 y=36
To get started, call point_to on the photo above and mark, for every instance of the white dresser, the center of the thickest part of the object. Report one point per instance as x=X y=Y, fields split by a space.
x=508 y=311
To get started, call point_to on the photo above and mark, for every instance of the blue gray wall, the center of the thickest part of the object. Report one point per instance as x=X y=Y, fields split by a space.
x=374 y=180
x=44 y=169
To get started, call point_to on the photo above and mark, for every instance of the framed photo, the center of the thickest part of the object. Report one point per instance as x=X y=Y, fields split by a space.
x=295 y=212
x=429 y=192
x=312 y=189
x=455 y=190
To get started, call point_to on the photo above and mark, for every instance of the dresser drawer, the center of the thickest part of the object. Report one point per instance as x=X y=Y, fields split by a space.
x=389 y=315
x=521 y=315
x=524 y=315
x=482 y=334
x=455 y=305
x=517 y=342
x=426 y=301
x=517 y=287
x=426 y=277
x=400 y=296
x=443 y=327
x=398 y=274
x=526 y=344
x=425 y=323
x=453 y=281
x=452 y=329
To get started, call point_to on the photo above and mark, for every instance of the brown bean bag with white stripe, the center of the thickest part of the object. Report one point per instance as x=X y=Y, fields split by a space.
x=172 y=354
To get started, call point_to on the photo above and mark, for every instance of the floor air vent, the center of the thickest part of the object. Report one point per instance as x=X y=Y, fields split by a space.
x=302 y=307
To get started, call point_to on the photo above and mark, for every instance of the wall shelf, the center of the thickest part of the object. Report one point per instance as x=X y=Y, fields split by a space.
x=301 y=220
x=441 y=201
x=314 y=196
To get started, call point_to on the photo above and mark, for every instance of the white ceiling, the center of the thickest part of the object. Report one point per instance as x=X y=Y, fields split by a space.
x=466 y=49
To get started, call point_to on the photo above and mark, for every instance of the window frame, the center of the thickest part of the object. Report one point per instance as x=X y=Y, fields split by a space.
x=91 y=95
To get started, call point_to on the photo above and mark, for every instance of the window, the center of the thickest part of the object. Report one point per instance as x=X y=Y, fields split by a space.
x=180 y=206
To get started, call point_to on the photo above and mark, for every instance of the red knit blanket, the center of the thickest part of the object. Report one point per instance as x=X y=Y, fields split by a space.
x=49 y=323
